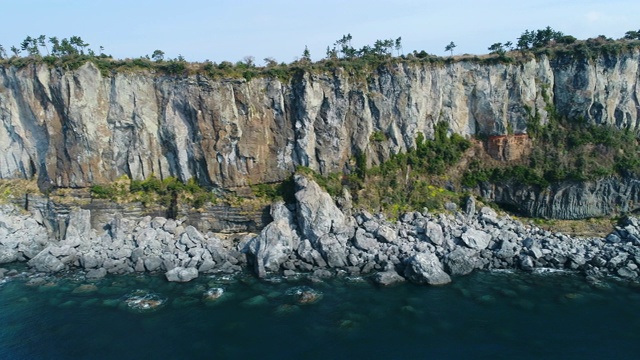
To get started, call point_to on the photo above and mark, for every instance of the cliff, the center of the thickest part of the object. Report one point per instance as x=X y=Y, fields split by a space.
x=76 y=128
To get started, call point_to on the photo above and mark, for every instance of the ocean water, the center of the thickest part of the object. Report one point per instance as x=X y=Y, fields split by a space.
x=494 y=315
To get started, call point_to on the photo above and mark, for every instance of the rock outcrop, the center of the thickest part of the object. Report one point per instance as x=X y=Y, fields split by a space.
x=569 y=199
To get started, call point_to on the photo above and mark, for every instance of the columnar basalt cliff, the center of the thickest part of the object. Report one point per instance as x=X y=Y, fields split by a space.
x=76 y=128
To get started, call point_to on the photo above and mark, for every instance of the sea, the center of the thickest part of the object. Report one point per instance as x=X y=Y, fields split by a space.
x=485 y=315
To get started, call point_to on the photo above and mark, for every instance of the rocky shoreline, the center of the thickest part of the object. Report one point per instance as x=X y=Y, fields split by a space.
x=317 y=238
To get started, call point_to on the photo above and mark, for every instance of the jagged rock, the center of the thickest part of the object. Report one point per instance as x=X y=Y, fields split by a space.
x=470 y=206
x=526 y=263
x=333 y=250
x=434 y=233
x=276 y=241
x=180 y=274
x=364 y=242
x=476 y=239
x=78 y=227
x=45 y=262
x=7 y=255
x=388 y=278
x=317 y=214
x=424 y=268
x=309 y=254
x=387 y=234
x=461 y=261
x=613 y=238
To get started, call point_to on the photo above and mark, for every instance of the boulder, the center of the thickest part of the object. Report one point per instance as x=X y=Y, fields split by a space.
x=425 y=268
x=434 y=233
x=180 y=274
x=387 y=234
x=317 y=214
x=333 y=250
x=45 y=262
x=272 y=246
x=364 y=242
x=152 y=263
x=461 y=261
x=387 y=278
x=7 y=255
x=476 y=239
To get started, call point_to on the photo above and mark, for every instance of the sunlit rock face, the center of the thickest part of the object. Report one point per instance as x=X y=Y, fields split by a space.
x=73 y=128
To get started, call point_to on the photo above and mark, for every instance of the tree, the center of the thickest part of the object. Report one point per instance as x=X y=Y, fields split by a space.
x=55 y=46
x=158 y=55
x=15 y=51
x=78 y=44
x=270 y=62
x=632 y=35
x=450 y=47
x=344 y=46
x=306 y=55
x=398 y=45
x=42 y=43
x=497 y=48
x=3 y=52
x=332 y=53
x=31 y=46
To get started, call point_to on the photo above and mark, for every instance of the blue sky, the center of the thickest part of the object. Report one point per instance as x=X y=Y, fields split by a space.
x=232 y=29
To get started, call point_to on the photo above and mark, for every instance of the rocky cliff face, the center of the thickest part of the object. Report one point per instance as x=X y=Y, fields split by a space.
x=76 y=128
x=569 y=200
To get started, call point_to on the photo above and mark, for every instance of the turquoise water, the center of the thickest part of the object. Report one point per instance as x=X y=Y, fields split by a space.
x=485 y=315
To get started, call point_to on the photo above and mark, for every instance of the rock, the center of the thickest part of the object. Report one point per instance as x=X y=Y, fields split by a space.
x=627 y=273
x=424 y=268
x=212 y=295
x=45 y=262
x=434 y=233
x=317 y=214
x=461 y=261
x=364 y=242
x=152 y=263
x=387 y=234
x=388 y=278
x=7 y=255
x=180 y=274
x=470 y=206
x=322 y=274
x=613 y=238
x=85 y=289
x=333 y=250
x=449 y=206
x=96 y=274
x=308 y=297
x=309 y=254
x=526 y=263
x=476 y=239
x=272 y=247
x=206 y=266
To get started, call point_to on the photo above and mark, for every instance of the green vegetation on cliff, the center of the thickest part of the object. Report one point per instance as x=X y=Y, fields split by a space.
x=565 y=150
x=168 y=192
x=73 y=52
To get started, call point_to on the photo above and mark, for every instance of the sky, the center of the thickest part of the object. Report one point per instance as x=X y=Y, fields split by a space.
x=231 y=30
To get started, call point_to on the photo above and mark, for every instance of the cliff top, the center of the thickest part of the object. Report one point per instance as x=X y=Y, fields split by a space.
x=531 y=45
